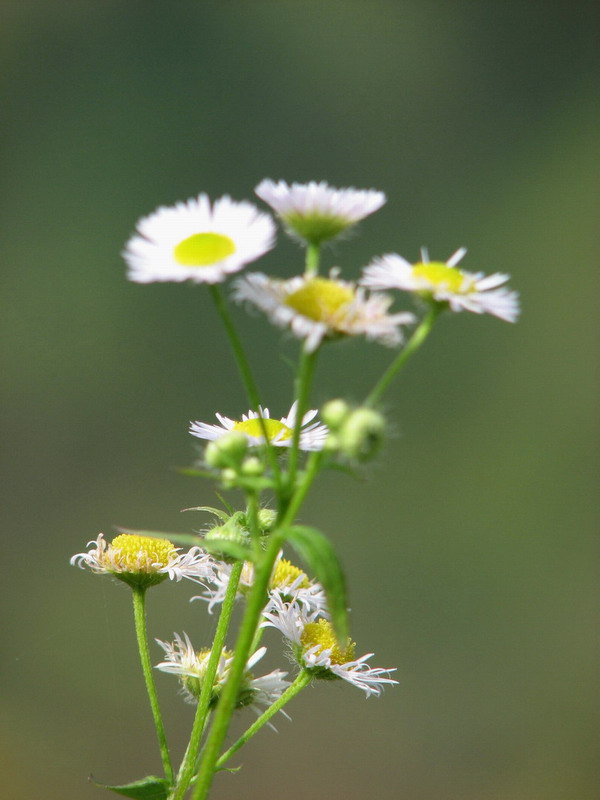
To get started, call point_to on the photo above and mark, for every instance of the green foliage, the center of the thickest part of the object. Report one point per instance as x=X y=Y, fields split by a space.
x=318 y=553
x=149 y=788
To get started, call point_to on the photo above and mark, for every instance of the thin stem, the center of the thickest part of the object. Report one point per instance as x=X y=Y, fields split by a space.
x=303 y=383
x=229 y=695
x=243 y=366
x=413 y=344
x=312 y=470
x=188 y=766
x=301 y=682
x=312 y=259
x=139 y=615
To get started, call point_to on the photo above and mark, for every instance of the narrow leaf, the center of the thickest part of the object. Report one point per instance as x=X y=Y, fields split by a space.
x=317 y=552
x=226 y=547
x=150 y=788
x=217 y=512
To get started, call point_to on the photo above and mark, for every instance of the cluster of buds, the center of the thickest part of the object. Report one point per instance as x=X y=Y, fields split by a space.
x=355 y=433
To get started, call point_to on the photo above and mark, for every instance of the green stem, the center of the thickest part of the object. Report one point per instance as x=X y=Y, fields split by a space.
x=312 y=259
x=227 y=701
x=301 y=682
x=413 y=344
x=312 y=470
x=243 y=366
x=302 y=387
x=139 y=614
x=188 y=766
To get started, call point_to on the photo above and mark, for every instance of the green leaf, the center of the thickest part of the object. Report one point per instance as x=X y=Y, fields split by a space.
x=192 y=472
x=150 y=788
x=225 y=547
x=217 y=512
x=317 y=552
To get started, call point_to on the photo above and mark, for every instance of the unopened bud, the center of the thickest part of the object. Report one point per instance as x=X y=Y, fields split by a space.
x=361 y=436
x=252 y=467
x=226 y=451
x=335 y=413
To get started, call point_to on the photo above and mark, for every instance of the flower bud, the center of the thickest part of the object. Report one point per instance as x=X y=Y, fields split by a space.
x=335 y=413
x=266 y=519
x=361 y=436
x=227 y=451
x=252 y=467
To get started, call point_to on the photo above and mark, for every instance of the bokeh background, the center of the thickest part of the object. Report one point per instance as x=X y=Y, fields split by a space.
x=469 y=546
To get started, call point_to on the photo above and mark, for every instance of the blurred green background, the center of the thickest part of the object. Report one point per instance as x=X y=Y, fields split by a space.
x=469 y=546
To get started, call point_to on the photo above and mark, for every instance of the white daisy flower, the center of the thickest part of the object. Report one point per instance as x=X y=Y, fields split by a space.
x=279 y=431
x=197 y=242
x=316 y=648
x=445 y=283
x=287 y=581
x=317 y=212
x=316 y=308
x=190 y=665
x=145 y=561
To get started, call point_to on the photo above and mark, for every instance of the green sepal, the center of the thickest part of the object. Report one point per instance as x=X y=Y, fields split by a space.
x=150 y=788
x=317 y=552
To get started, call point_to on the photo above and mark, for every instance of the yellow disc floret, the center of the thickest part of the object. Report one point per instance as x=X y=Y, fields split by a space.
x=321 y=633
x=285 y=573
x=273 y=427
x=132 y=553
x=440 y=275
x=203 y=250
x=321 y=299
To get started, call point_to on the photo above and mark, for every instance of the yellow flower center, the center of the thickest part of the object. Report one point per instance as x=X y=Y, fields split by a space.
x=203 y=249
x=321 y=299
x=321 y=633
x=440 y=275
x=286 y=573
x=132 y=553
x=273 y=427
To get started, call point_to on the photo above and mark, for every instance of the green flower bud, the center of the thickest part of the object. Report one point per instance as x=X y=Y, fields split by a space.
x=361 y=436
x=335 y=413
x=266 y=519
x=226 y=451
x=252 y=467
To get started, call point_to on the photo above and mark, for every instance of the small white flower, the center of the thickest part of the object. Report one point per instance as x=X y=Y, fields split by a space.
x=190 y=665
x=279 y=431
x=316 y=308
x=287 y=581
x=316 y=211
x=316 y=648
x=445 y=283
x=145 y=560
x=197 y=242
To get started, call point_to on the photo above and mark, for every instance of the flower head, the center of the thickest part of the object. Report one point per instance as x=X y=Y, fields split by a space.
x=144 y=561
x=316 y=308
x=445 y=283
x=316 y=648
x=191 y=665
x=287 y=581
x=197 y=242
x=279 y=431
x=316 y=212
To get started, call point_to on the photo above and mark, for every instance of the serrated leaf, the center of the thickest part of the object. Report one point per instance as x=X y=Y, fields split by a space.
x=317 y=552
x=150 y=788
